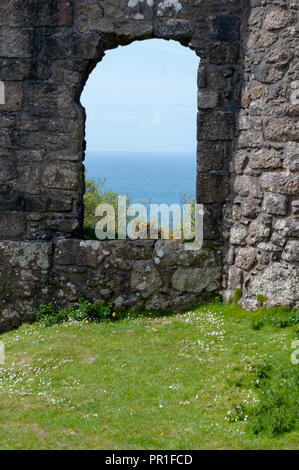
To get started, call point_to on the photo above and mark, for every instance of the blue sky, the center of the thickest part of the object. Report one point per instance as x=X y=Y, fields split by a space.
x=142 y=97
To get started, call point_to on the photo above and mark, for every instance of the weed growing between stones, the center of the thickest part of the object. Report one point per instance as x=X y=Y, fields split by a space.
x=48 y=314
x=261 y=299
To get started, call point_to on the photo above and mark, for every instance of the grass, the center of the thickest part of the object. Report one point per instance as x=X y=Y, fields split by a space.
x=142 y=383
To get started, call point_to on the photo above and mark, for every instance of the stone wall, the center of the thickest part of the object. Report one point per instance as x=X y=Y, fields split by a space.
x=247 y=171
x=264 y=252
x=152 y=274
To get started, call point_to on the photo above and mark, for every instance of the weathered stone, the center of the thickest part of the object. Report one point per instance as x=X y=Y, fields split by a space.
x=291 y=251
x=207 y=99
x=175 y=303
x=292 y=156
x=265 y=159
x=277 y=282
x=245 y=258
x=106 y=281
x=238 y=234
x=211 y=187
x=174 y=254
x=278 y=54
x=278 y=18
x=13 y=97
x=81 y=252
x=226 y=28
x=129 y=250
x=25 y=255
x=145 y=277
x=201 y=76
x=16 y=42
x=16 y=312
x=12 y=225
x=173 y=29
x=210 y=156
x=239 y=162
x=250 y=139
x=282 y=130
x=224 y=54
x=87 y=15
x=258 y=231
x=234 y=278
x=62 y=176
x=269 y=246
x=250 y=208
x=247 y=186
x=288 y=227
x=275 y=204
x=295 y=207
x=7 y=169
x=215 y=126
x=280 y=183
x=216 y=79
x=258 y=91
x=196 y=279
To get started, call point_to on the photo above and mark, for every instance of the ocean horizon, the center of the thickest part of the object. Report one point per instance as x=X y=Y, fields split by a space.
x=156 y=177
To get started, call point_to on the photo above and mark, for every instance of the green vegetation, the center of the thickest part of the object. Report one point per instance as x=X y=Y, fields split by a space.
x=261 y=299
x=204 y=379
x=237 y=295
x=49 y=315
x=280 y=317
x=97 y=193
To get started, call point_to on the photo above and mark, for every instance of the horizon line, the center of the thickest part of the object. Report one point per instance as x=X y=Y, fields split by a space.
x=142 y=151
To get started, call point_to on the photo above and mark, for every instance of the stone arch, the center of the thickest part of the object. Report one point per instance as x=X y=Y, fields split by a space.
x=219 y=53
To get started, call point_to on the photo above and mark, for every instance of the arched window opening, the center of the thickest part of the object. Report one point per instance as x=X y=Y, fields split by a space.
x=140 y=105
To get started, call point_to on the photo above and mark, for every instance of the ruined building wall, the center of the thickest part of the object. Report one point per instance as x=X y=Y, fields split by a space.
x=264 y=251
x=247 y=154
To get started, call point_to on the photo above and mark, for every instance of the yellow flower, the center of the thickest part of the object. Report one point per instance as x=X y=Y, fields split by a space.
x=114 y=314
x=162 y=434
x=86 y=321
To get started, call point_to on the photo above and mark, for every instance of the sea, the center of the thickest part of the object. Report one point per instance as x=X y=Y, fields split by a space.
x=147 y=177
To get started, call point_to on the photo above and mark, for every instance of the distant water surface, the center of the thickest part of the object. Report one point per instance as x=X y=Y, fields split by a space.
x=159 y=177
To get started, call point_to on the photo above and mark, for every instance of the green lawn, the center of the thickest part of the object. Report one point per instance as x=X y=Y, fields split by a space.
x=145 y=383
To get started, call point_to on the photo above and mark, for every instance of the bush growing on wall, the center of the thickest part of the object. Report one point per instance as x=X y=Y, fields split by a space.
x=96 y=193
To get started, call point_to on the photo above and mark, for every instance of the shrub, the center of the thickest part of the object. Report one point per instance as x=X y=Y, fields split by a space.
x=49 y=315
x=216 y=298
x=96 y=193
x=93 y=312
